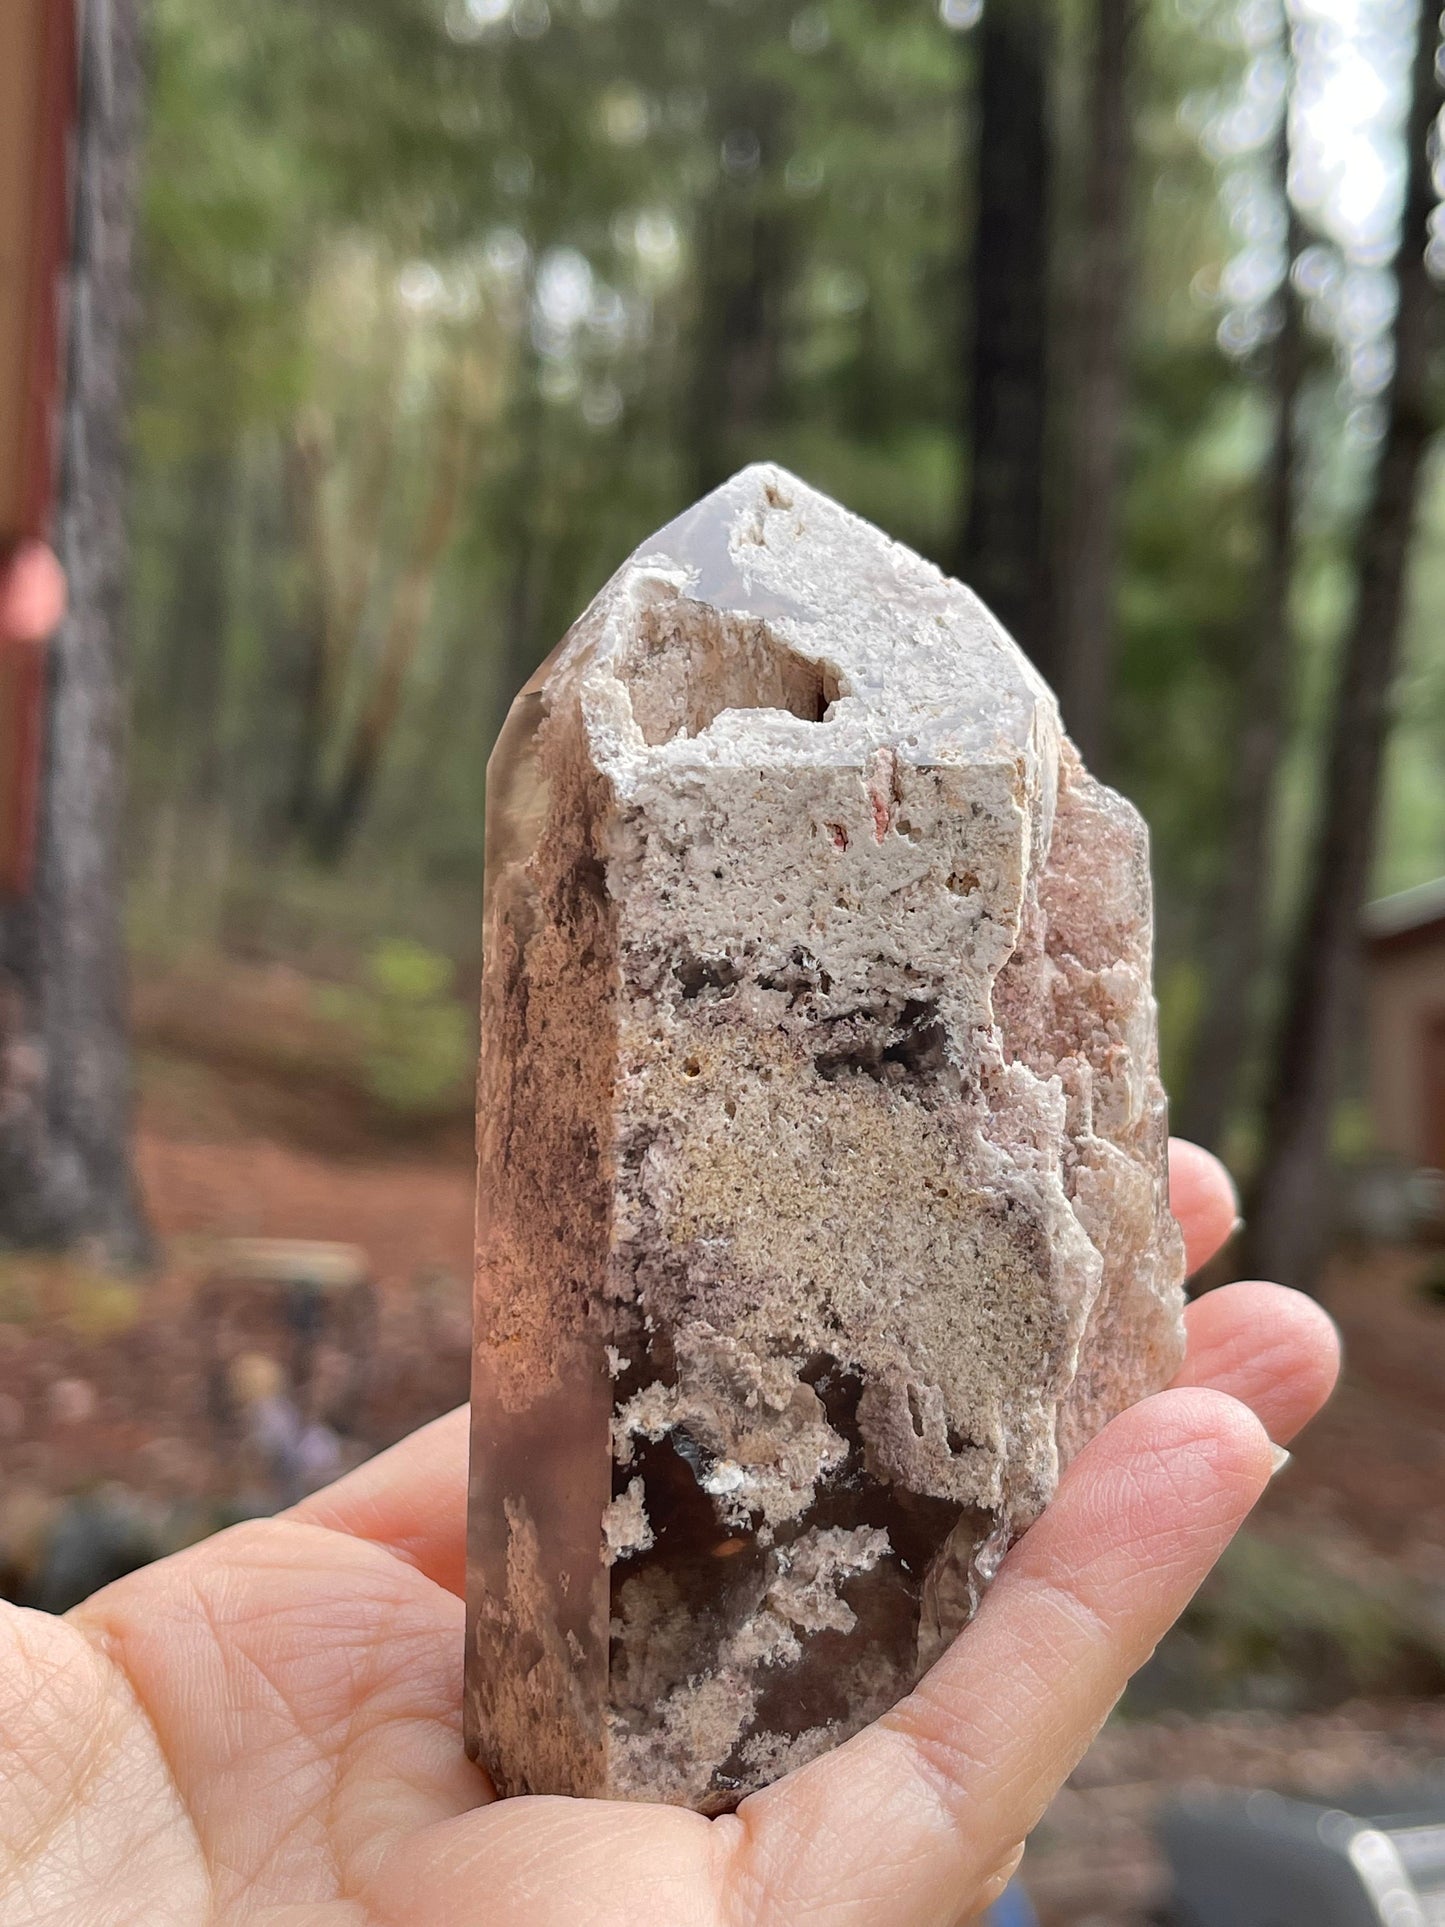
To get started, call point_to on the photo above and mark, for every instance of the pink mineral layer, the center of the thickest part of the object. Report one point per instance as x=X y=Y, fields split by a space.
x=823 y=1209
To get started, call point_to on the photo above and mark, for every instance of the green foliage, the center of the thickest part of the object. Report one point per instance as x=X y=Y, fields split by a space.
x=416 y=1039
x=65 y=1292
x=1275 y=1625
x=19 y=1301
x=361 y=216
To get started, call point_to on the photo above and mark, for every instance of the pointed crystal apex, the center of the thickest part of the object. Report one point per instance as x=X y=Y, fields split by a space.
x=700 y=542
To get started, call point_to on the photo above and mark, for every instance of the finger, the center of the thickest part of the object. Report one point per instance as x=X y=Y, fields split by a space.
x=551 y=1862
x=905 y=1824
x=1203 y=1200
x=32 y=594
x=411 y=1499
x=1274 y=1350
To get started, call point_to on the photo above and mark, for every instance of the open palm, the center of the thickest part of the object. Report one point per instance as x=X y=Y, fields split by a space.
x=266 y=1729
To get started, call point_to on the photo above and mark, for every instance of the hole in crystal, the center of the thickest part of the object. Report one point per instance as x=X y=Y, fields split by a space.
x=697 y=975
x=895 y=1047
x=915 y=1410
x=690 y=663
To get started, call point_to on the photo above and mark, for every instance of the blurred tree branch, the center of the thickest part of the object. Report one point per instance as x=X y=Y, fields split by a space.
x=340 y=593
x=337 y=818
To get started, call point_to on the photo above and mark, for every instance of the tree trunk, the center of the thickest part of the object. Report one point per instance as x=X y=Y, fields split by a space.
x=1084 y=617
x=1001 y=554
x=747 y=247
x=1289 y=1215
x=1240 y=911
x=65 y=1172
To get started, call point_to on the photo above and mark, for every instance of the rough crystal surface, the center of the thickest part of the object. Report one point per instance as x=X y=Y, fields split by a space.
x=823 y=1208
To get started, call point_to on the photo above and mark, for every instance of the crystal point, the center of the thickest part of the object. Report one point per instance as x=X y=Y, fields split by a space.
x=823 y=1199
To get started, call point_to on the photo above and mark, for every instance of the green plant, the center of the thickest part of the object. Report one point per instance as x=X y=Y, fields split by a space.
x=415 y=1036
x=19 y=1301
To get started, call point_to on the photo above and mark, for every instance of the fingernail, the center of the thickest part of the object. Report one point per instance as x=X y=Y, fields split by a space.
x=1281 y=1459
x=1236 y=1227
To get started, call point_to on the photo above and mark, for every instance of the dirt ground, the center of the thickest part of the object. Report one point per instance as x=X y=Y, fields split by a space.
x=226 y=1151
x=112 y=1385
x=1371 y=1471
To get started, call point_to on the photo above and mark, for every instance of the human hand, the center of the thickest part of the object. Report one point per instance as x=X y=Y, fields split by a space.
x=32 y=593
x=265 y=1731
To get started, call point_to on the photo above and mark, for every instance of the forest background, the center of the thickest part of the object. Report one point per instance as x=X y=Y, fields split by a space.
x=1125 y=310
x=445 y=304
